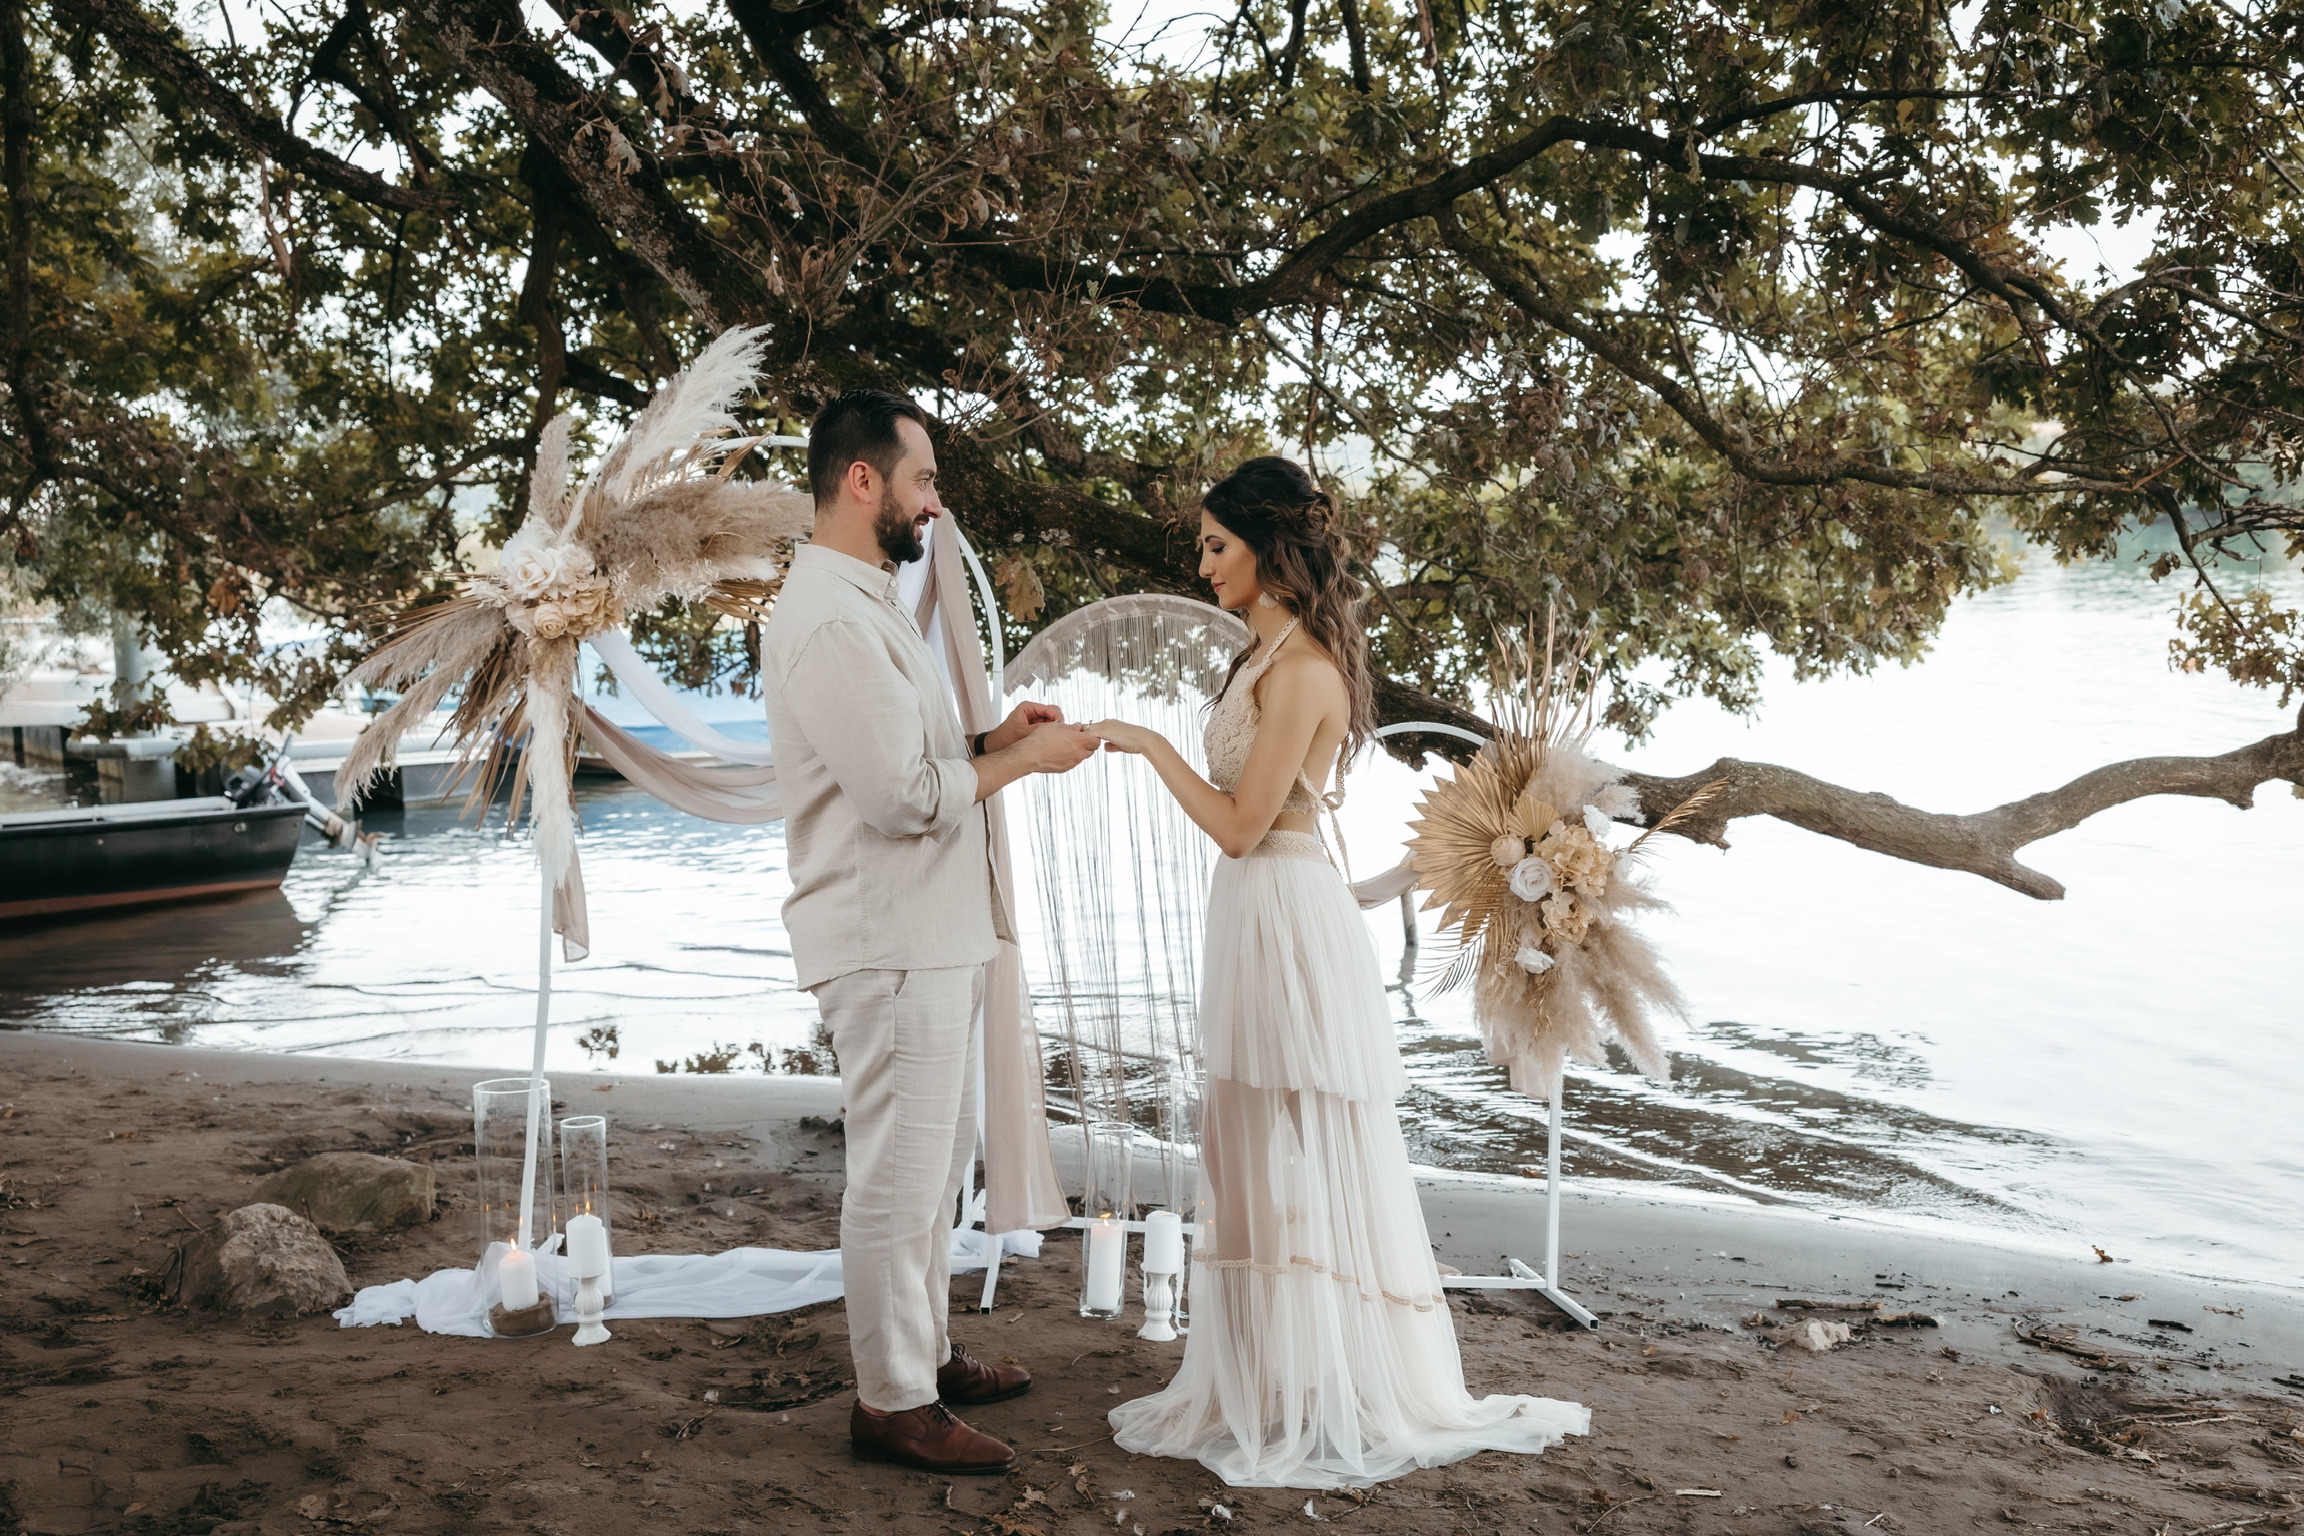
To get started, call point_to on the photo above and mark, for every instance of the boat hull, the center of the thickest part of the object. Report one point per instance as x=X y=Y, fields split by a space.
x=83 y=866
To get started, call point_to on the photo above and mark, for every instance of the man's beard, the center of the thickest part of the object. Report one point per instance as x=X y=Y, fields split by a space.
x=899 y=538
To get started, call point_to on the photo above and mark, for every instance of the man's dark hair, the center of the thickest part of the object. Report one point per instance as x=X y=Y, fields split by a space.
x=859 y=424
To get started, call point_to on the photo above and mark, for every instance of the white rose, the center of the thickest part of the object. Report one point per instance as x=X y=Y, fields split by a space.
x=1531 y=879
x=1597 y=822
x=549 y=622
x=531 y=570
x=1533 y=960
x=1508 y=850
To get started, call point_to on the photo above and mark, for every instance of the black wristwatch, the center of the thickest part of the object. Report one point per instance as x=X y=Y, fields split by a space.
x=976 y=743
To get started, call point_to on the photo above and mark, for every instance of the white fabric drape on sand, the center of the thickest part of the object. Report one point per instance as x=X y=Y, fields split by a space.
x=742 y=1282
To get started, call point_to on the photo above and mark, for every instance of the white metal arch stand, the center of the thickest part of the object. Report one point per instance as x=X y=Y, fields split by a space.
x=1520 y=1277
x=1545 y=1282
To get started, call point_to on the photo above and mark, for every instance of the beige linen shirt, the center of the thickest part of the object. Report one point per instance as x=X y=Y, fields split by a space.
x=890 y=857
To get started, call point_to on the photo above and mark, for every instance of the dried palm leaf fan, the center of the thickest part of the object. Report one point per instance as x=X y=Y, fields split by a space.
x=660 y=517
x=1514 y=850
x=1119 y=878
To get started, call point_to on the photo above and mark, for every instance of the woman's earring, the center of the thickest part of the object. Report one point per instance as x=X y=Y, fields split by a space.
x=1264 y=600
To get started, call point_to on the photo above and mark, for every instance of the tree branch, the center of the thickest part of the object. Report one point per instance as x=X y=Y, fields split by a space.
x=1985 y=842
x=1733 y=444
x=1980 y=843
x=140 y=40
x=772 y=32
x=328 y=64
x=616 y=178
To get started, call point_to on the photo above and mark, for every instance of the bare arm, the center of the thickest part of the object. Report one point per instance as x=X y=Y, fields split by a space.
x=1298 y=695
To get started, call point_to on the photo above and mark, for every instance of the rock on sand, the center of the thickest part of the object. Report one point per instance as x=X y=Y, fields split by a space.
x=353 y=1192
x=264 y=1260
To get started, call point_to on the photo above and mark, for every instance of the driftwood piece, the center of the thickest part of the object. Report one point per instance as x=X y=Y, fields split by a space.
x=1809 y=1304
x=2068 y=1343
x=1980 y=843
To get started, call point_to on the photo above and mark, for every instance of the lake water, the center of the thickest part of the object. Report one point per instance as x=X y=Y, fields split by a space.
x=2122 y=1068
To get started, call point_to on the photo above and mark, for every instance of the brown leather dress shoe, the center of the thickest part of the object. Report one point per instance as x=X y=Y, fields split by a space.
x=927 y=1437
x=966 y=1379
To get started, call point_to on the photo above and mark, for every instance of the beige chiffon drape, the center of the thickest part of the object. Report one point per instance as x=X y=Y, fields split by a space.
x=1021 y=1189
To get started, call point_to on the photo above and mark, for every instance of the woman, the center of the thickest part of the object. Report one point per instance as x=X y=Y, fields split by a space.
x=1321 y=1352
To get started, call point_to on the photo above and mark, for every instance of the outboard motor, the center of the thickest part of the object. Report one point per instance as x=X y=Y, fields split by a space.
x=253 y=786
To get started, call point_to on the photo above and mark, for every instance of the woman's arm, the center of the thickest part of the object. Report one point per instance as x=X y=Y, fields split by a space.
x=1297 y=694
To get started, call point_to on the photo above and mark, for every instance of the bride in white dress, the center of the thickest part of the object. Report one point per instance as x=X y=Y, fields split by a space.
x=1321 y=1352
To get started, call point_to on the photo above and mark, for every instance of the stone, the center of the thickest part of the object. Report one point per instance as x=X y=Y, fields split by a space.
x=262 y=1261
x=1817 y=1335
x=353 y=1192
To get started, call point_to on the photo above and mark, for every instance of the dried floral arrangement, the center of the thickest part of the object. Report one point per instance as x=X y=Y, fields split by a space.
x=659 y=517
x=1515 y=851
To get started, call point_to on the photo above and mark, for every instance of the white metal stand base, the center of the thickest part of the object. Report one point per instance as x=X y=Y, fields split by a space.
x=1545 y=1283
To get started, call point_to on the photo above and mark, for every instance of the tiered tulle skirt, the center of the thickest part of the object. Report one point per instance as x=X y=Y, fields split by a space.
x=1321 y=1351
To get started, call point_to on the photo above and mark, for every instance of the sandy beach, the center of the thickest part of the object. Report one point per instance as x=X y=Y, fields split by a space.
x=2057 y=1391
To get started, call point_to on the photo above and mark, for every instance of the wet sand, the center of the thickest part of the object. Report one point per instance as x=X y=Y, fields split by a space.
x=2054 y=1394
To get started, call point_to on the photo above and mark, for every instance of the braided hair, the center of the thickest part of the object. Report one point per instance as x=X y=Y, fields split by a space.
x=1303 y=563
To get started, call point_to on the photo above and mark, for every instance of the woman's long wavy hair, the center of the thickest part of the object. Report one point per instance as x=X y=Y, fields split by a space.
x=1302 y=560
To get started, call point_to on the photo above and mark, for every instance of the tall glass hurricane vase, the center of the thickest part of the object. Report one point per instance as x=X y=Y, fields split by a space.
x=502 y=1111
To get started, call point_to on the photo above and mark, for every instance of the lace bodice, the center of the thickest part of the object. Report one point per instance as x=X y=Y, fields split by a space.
x=1231 y=733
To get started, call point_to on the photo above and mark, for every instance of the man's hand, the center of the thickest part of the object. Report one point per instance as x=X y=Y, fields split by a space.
x=1050 y=746
x=1020 y=723
x=1054 y=747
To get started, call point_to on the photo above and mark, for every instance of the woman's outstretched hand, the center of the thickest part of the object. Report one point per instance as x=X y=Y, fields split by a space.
x=1120 y=736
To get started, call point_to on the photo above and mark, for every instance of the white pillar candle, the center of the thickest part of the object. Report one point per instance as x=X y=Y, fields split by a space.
x=1107 y=1264
x=517 y=1276
x=1163 y=1243
x=587 y=1247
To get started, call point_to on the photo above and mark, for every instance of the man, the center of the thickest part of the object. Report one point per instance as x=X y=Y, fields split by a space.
x=893 y=910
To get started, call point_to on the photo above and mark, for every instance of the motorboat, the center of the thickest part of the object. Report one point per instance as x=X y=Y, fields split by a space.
x=90 y=857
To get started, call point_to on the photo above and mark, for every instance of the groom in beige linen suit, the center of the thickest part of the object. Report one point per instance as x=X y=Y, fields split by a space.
x=894 y=910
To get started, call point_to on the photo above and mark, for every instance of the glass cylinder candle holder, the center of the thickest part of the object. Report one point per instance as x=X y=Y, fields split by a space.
x=584 y=1179
x=505 y=1111
x=1105 y=1203
x=1111 y=1164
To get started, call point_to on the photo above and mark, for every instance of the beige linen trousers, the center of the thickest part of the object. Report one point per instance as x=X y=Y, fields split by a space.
x=905 y=1039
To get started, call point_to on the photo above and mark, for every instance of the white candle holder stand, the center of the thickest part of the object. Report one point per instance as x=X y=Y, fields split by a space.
x=590 y=1305
x=588 y=1261
x=1159 y=1307
x=1163 y=1261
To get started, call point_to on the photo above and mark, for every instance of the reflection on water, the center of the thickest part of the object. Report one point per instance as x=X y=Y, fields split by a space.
x=1905 y=1040
x=155 y=967
x=431 y=956
x=1766 y=1138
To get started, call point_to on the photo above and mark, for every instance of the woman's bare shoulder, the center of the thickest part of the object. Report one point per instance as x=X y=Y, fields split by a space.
x=1308 y=673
